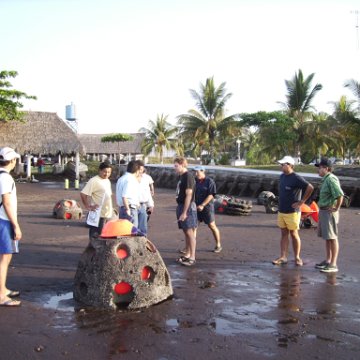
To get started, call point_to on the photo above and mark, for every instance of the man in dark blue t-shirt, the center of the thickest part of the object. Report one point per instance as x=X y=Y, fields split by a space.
x=291 y=188
x=204 y=200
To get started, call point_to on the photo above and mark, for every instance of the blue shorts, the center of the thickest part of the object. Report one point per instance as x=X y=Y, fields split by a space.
x=6 y=237
x=207 y=215
x=191 y=221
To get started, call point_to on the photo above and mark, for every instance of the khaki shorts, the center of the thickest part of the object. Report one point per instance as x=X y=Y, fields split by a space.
x=289 y=221
x=328 y=225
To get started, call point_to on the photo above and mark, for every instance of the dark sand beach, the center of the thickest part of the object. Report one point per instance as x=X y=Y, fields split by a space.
x=231 y=305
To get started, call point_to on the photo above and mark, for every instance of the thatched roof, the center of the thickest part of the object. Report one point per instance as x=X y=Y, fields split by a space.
x=40 y=133
x=92 y=144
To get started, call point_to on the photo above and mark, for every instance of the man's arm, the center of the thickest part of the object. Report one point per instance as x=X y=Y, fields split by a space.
x=338 y=204
x=205 y=202
x=187 y=202
x=307 y=194
x=86 y=200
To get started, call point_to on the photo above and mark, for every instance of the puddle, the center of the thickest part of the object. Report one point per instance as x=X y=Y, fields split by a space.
x=172 y=323
x=52 y=184
x=63 y=302
x=249 y=324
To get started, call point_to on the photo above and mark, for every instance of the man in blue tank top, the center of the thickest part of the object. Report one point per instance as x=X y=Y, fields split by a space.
x=291 y=188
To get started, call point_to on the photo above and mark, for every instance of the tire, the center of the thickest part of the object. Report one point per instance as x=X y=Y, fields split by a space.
x=263 y=196
x=272 y=206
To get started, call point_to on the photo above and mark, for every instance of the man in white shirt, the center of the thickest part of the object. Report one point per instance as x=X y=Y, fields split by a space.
x=97 y=193
x=145 y=197
x=127 y=193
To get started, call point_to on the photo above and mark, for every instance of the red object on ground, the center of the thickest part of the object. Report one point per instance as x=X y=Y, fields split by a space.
x=315 y=214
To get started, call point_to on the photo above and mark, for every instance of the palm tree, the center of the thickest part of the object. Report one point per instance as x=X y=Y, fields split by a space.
x=299 y=105
x=158 y=135
x=344 y=125
x=354 y=86
x=319 y=138
x=204 y=124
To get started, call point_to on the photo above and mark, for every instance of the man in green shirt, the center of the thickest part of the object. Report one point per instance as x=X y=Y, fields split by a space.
x=330 y=200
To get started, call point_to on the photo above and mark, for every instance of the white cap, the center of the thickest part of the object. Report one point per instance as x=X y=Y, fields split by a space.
x=287 y=160
x=7 y=154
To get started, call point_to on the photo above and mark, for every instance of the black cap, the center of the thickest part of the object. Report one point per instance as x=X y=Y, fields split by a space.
x=324 y=162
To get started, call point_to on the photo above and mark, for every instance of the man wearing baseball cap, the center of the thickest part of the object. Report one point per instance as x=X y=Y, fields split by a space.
x=9 y=226
x=204 y=199
x=330 y=200
x=291 y=188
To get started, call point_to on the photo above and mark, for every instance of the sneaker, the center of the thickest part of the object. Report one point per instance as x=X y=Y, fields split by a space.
x=321 y=265
x=329 y=269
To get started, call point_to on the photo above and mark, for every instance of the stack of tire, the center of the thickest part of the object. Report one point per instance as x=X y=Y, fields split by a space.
x=269 y=200
x=232 y=205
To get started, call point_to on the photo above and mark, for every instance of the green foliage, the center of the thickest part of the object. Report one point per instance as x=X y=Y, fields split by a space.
x=203 y=126
x=224 y=159
x=10 y=98
x=160 y=134
x=117 y=138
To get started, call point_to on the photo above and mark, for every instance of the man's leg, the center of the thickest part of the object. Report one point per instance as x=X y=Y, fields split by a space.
x=4 y=265
x=134 y=215
x=334 y=251
x=190 y=241
x=216 y=233
x=284 y=243
x=142 y=219
x=296 y=246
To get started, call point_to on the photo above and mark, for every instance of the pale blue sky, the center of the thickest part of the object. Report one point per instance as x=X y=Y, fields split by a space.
x=122 y=62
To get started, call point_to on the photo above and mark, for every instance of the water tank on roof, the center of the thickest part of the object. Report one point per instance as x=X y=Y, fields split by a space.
x=70 y=112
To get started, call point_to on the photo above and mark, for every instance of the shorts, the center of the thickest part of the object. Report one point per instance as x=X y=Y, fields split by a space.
x=6 y=237
x=191 y=221
x=328 y=225
x=207 y=215
x=289 y=221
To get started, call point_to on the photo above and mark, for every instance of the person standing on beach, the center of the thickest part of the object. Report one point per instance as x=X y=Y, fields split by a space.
x=127 y=193
x=204 y=200
x=97 y=193
x=10 y=230
x=186 y=210
x=330 y=199
x=145 y=198
x=291 y=187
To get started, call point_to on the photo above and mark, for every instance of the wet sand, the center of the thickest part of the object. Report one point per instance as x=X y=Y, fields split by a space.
x=232 y=305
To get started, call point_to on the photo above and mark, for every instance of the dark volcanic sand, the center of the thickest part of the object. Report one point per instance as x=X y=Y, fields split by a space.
x=232 y=305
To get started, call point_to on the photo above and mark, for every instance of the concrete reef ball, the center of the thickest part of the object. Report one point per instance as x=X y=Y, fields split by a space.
x=123 y=273
x=67 y=209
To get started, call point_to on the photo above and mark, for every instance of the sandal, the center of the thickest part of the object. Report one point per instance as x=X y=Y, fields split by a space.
x=181 y=258
x=11 y=303
x=217 y=249
x=280 y=261
x=299 y=262
x=187 y=261
x=13 y=293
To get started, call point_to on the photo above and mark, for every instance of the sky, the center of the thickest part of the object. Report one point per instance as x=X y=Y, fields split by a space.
x=124 y=62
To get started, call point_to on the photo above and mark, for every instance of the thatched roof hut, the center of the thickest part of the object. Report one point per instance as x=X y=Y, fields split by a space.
x=39 y=133
x=92 y=145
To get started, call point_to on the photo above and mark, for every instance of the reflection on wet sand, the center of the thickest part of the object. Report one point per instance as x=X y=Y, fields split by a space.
x=327 y=303
x=289 y=304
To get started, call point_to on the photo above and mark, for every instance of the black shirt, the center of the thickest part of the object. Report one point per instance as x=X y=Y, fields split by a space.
x=186 y=181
